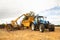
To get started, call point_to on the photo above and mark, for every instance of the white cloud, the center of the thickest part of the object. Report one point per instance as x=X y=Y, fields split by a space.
x=27 y=5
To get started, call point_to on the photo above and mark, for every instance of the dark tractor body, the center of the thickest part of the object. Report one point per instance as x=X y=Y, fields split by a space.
x=40 y=24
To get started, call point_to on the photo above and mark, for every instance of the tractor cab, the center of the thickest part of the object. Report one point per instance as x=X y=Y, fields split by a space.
x=39 y=19
x=42 y=20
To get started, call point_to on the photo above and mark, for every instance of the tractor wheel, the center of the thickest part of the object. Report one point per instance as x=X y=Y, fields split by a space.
x=32 y=27
x=41 y=28
x=51 y=28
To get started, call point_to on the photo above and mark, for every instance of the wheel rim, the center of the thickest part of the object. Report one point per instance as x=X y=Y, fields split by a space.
x=32 y=27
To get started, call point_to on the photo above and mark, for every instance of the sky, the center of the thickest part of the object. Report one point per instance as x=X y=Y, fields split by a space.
x=11 y=9
x=53 y=15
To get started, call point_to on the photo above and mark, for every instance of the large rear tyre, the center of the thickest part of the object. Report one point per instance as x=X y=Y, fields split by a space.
x=41 y=28
x=32 y=27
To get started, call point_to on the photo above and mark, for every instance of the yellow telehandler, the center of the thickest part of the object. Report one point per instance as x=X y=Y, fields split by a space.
x=27 y=20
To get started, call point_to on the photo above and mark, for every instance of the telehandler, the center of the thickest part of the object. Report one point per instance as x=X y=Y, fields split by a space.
x=29 y=17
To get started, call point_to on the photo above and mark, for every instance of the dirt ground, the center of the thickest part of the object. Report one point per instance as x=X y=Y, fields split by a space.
x=29 y=35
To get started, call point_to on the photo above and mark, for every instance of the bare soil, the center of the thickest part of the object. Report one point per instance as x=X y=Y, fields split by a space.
x=28 y=34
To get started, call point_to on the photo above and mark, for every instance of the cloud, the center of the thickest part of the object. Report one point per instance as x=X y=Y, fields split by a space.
x=52 y=14
x=14 y=8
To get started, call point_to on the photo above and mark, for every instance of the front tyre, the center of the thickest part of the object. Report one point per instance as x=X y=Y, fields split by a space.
x=41 y=28
x=32 y=27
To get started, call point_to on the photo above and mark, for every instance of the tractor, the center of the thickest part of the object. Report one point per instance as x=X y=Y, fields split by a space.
x=41 y=24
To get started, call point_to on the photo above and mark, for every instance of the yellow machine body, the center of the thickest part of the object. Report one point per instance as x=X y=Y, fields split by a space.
x=27 y=23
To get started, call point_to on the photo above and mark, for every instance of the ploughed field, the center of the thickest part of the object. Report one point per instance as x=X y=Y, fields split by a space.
x=28 y=34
